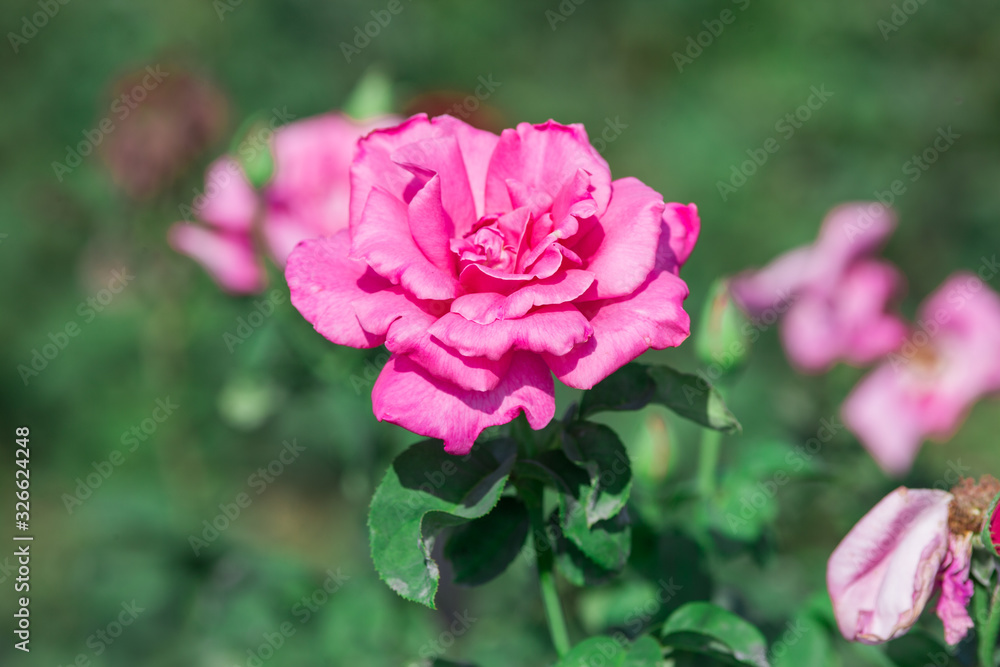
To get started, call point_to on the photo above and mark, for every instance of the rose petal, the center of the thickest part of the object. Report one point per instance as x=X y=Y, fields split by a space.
x=408 y=395
x=487 y=307
x=621 y=249
x=624 y=328
x=956 y=589
x=882 y=574
x=229 y=201
x=544 y=157
x=406 y=324
x=324 y=282
x=382 y=238
x=552 y=329
x=228 y=257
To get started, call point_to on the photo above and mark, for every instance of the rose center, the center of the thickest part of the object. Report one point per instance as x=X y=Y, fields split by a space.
x=486 y=244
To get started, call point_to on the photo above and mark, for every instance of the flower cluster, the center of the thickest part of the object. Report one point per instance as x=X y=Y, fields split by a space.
x=838 y=298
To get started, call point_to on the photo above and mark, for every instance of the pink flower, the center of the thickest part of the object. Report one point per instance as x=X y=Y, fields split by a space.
x=832 y=294
x=884 y=571
x=923 y=391
x=307 y=197
x=487 y=263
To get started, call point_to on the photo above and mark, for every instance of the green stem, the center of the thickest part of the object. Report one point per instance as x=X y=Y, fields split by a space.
x=532 y=494
x=708 y=461
x=989 y=626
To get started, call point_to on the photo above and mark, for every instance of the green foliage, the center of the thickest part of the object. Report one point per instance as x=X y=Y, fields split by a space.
x=482 y=549
x=636 y=385
x=706 y=629
x=424 y=491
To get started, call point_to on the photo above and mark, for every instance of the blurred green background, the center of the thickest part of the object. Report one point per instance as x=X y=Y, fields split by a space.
x=681 y=129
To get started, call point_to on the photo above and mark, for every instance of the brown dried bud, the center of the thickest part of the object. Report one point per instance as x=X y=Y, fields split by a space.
x=968 y=510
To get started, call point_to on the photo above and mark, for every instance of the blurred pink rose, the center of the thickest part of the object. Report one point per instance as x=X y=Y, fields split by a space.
x=487 y=263
x=307 y=197
x=832 y=295
x=924 y=390
x=885 y=570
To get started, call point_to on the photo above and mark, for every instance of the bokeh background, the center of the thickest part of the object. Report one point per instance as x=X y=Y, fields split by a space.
x=681 y=128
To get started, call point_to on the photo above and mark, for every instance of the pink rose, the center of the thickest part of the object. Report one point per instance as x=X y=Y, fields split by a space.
x=833 y=296
x=885 y=570
x=486 y=264
x=307 y=197
x=951 y=360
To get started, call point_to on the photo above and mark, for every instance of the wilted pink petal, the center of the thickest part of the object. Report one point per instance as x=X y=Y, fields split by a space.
x=882 y=574
x=956 y=589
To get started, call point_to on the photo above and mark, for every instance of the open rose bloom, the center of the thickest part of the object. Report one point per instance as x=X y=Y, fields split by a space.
x=307 y=197
x=924 y=390
x=488 y=263
x=886 y=569
x=833 y=294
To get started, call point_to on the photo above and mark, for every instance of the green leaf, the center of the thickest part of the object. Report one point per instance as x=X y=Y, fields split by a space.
x=919 y=649
x=596 y=651
x=636 y=385
x=606 y=543
x=599 y=451
x=645 y=652
x=573 y=564
x=482 y=549
x=423 y=491
x=806 y=641
x=705 y=628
